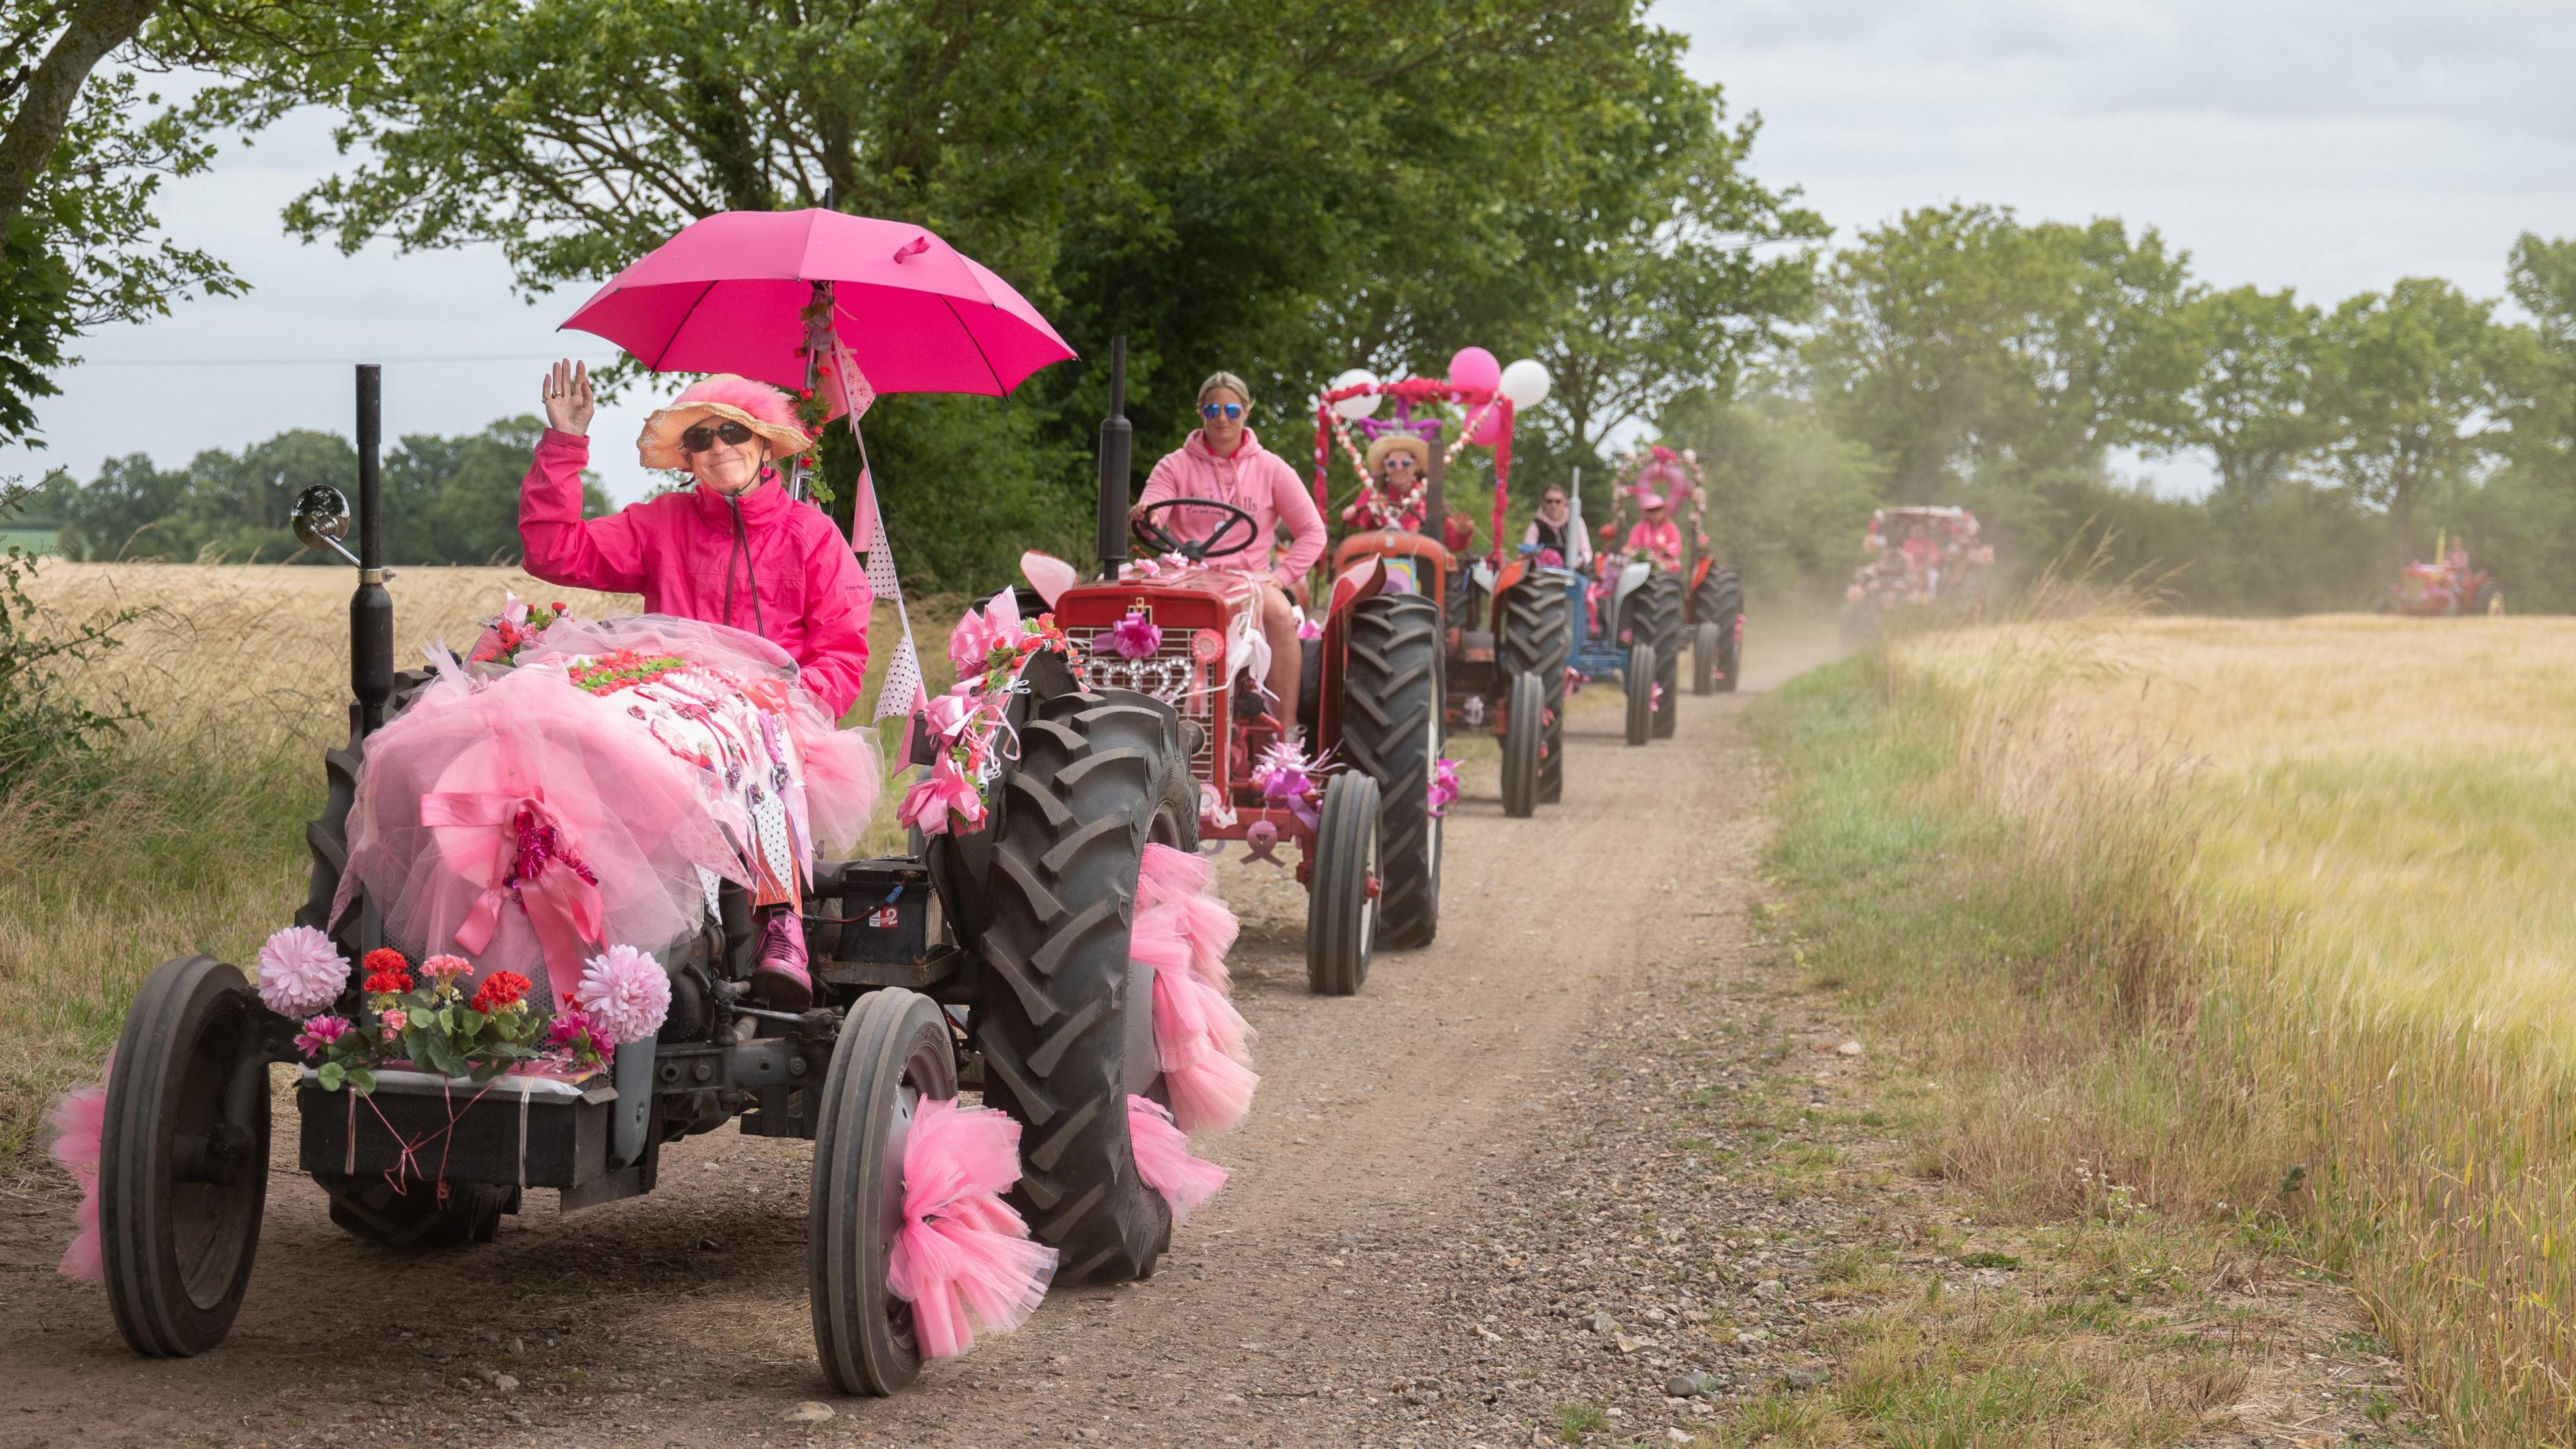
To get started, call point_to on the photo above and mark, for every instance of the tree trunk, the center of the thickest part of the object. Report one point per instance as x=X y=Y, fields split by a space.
x=28 y=145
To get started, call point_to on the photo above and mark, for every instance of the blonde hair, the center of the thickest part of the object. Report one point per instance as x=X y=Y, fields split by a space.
x=1231 y=383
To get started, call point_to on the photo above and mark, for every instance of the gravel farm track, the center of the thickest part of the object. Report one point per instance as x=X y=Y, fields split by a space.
x=1445 y=1184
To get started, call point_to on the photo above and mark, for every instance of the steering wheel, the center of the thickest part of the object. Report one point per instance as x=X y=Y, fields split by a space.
x=1197 y=550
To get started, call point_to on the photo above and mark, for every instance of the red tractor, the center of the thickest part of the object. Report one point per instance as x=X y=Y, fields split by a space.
x=1501 y=622
x=1182 y=627
x=2443 y=590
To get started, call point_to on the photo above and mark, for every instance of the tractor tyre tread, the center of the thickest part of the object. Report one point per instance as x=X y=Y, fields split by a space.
x=1390 y=716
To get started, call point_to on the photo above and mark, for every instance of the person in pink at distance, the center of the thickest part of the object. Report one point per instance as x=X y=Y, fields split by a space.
x=1222 y=460
x=733 y=550
x=1656 y=536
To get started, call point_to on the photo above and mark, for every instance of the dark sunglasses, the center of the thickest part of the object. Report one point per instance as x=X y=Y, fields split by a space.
x=1402 y=460
x=704 y=435
x=1227 y=411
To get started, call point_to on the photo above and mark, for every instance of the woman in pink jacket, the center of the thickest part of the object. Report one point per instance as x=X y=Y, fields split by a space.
x=734 y=549
x=1222 y=460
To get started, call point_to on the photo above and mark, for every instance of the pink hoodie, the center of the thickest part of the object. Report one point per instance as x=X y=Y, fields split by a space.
x=775 y=567
x=1255 y=480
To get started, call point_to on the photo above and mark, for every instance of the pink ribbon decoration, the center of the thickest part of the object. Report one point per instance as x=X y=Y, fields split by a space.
x=516 y=849
x=963 y=1258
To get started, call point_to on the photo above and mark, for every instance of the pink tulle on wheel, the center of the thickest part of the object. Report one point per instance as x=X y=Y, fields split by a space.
x=79 y=1121
x=1163 y=1159
x=1185 y=885
x=1201 y=1040
x=1168 y=874
x=963 y=1259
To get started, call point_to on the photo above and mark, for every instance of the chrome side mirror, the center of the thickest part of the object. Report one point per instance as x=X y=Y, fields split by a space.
x=322 y=520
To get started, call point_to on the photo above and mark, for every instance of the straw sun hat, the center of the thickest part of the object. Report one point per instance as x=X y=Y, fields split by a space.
x=756 y=405
x=1400 y=443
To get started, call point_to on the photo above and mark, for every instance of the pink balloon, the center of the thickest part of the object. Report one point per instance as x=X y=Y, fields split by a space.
x=1492 y=430
x=1475 y=370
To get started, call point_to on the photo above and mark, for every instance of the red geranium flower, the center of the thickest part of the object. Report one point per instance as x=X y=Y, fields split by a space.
x=500 y=989
x=387 y=970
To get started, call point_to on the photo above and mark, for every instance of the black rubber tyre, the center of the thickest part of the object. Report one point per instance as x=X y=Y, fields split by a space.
x=367 y=1208
x=183 y=1160
x=1720 y=601
x=1062 y=1013
x=1524 y=729
x=1667 y=694
x=1391 y=729
x=1655 y=613
x=1704 y=668
x=1341 y=911
x=1537 y=637
x=894 y=1052
x=1639 y=679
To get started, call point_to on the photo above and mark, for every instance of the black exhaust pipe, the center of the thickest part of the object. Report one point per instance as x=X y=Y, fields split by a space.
x=1117 y=461
x=371 y=609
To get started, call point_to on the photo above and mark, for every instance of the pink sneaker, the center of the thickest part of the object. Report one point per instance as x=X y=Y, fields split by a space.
x=781 y=982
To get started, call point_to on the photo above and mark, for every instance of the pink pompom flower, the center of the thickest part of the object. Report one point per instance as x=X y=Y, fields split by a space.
x=1444 y=785
x=1135 y=637
x=625 y=993
x=300 y=971
x=321 y=1033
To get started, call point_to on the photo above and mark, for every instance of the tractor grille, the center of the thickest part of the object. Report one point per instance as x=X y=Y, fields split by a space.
x=1170 y=674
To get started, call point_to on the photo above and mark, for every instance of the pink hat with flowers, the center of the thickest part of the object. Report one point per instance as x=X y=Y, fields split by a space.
x=756 y=405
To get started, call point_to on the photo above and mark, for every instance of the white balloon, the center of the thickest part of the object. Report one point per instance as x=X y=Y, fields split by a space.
x=1353 y=409
x=1525 y=382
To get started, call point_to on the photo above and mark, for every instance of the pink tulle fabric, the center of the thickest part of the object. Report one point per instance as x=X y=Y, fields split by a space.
x=79 y=1121
x=1186 y=884
x=1201 y=1040
x=629 y=814
x=963 y=1258
x=1163 y=1159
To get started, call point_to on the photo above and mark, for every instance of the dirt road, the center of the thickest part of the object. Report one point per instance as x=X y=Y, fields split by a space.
x=1393 y=1262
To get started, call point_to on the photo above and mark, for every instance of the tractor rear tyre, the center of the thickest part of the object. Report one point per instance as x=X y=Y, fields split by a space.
x=1639 y=678
x=1062 y=1011
x=1655 y=612
x=1524 y=730
x=1341 y=887
x=1719 y=602
x=893 y=1055
x=1537 y=638
x=2489 y=599
x=1391 y=728
x=183 y=1159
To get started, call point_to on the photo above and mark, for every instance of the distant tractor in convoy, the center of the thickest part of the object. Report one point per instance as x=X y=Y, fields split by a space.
x=1501 y=620
x=1654 y=588
x=2445 y=589
x=1920 y=559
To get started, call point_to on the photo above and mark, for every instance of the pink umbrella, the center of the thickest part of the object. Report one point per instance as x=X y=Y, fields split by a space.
x=726 y=295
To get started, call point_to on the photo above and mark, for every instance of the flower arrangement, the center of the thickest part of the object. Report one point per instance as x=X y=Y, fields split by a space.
x=989 y=647
x=426 y=1016
x=622 y=669
x=1286 y=777
x=517 y=626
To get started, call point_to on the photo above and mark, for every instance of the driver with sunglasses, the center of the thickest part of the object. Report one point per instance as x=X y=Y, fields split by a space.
x=1222 y=460
x=734 y=549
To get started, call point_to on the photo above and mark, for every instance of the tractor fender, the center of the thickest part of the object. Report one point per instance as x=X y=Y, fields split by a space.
x=1363 y=579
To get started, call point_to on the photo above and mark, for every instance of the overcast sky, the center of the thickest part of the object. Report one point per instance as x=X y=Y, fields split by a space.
x=2328 y=145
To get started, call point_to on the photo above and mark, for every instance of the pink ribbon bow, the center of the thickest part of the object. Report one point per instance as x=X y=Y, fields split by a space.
x=529 y=857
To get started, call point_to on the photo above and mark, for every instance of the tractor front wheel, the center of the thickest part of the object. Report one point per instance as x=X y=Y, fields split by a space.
x=1524 y=730
x=1062 y=1009
x=1341 y=904
x=1667 y=694
x=1719 y=640
x=1391 y=729
x=183 y=1160
x=1639 y=677
x=893 y=1055
x=1537 y=638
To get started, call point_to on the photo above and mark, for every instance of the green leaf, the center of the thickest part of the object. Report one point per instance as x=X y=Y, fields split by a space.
x=361 y=1081
x=330 y=1076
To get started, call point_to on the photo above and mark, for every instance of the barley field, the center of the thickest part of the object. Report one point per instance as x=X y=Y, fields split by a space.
x=2333 y=858
x=187 y=834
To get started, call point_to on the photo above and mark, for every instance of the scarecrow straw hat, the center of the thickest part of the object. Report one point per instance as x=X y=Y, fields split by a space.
x=765 y=410
x=1400 y=443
